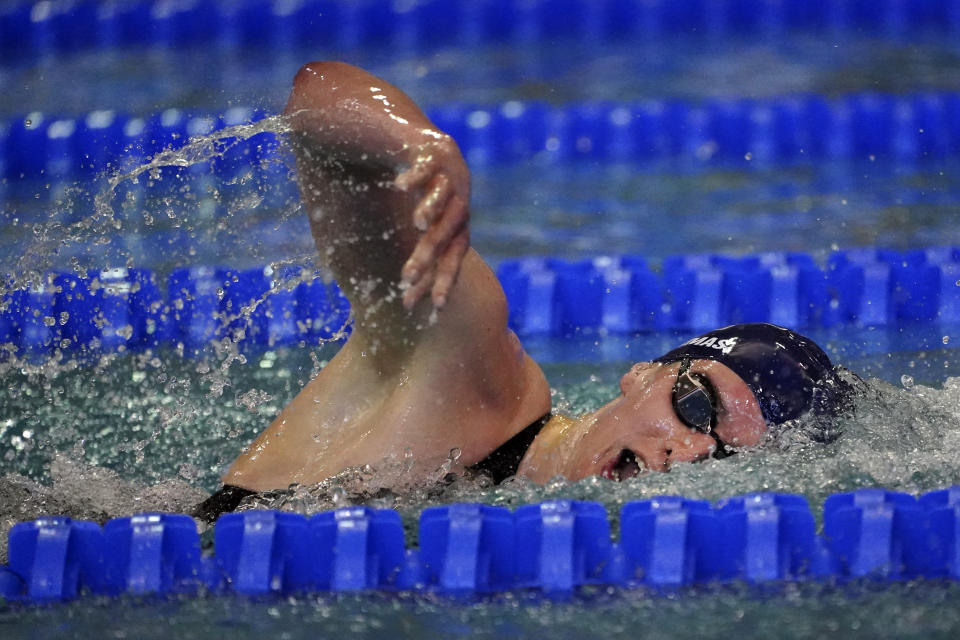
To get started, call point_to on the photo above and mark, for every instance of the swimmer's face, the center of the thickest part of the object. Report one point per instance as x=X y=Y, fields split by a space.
x=641 y=430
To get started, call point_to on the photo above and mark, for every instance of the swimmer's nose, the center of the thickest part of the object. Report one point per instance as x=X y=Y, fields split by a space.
x=656 y=455
x=682 y=444
x=690 y=446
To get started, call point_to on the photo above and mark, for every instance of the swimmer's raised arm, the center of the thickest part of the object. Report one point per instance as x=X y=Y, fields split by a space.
x=349 y=123
x=386 y=193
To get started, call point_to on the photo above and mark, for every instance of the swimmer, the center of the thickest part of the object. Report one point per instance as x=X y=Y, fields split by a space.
x=431 y=366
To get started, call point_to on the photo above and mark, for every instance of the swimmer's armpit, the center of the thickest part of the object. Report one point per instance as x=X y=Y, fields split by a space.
x=359 y=118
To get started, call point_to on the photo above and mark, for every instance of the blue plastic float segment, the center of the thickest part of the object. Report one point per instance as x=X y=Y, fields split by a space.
x=56 y=557
x=276 y=316
x=111 y=303
x=474 y=549
x=62 y=160
x=782 y=131
x=110 y=310
x=26 y=146
x=359 y=548
x=11 y=586
x=322 y=309
x=873 y=532
x=30 y=29
x=633 y=296
x=195 y=307
x=243 y=293
x=32 y=325
x=693 y=294
x=767 y=536
x=530 y=288
x=941 y=540
x=75 y=310
x=151 y=318
x=668 y=540
x=861 y=288
x=561 y=545
x=555 y=297
x=467 y=548
x=151 y=553
x=99 y=141
x=265 y=552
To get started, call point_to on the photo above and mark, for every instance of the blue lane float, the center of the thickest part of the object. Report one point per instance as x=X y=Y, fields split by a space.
x=30 y=29
x=262 y=308
x=910 y=130
x=624 y=295
x=556 y=547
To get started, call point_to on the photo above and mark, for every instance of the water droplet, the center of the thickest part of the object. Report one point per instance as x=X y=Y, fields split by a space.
x=455 y=454
x=906 y=381
x=339 y=497
x=946 y=339
x=556 y=483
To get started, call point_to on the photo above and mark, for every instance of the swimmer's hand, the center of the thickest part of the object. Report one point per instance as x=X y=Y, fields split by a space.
x=442 y=215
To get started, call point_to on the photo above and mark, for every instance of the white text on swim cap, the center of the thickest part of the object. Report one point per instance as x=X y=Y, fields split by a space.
x=725 y=345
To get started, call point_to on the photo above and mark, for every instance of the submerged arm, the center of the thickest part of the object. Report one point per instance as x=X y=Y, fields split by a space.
x=354 y=129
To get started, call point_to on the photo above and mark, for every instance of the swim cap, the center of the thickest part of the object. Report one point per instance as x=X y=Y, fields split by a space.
x=788 y=373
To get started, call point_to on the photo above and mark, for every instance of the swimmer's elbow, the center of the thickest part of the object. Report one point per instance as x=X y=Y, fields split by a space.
x=342 y=109
x=314 y=90
x=330 y=86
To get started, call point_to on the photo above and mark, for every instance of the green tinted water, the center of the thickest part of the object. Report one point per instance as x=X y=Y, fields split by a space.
x=154 y=431
x=140 y=431
x=863 y=610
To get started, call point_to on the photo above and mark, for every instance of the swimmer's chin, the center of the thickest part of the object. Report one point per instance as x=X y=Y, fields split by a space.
x=619 y=466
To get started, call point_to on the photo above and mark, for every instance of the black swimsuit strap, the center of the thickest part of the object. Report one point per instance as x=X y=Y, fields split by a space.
x=223 y=501
x=505 y=459
x=500 y=465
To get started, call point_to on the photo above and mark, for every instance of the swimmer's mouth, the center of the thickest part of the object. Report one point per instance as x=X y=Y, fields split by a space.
x=624 y=466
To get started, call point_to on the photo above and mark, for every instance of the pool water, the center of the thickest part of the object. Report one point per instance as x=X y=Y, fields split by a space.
x=588 y=208
x=155 y=430
x=138 y=431
x=151 y=432
x=143 y=81
x=910 y=610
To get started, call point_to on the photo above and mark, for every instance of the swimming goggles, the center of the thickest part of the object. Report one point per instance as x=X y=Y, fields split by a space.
x=695 y=403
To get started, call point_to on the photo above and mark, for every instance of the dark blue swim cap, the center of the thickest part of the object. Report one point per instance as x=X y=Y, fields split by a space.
x=788 y=373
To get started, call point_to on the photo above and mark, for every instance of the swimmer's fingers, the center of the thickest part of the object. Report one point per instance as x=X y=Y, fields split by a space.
x=417 y=175
x=449 y=266
x=433 y=243
x=433 y=202
x=439 y=156
x=416 y=291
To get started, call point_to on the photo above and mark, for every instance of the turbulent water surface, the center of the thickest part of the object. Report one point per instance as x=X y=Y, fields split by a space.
x=153 y=432
x=119 y=433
